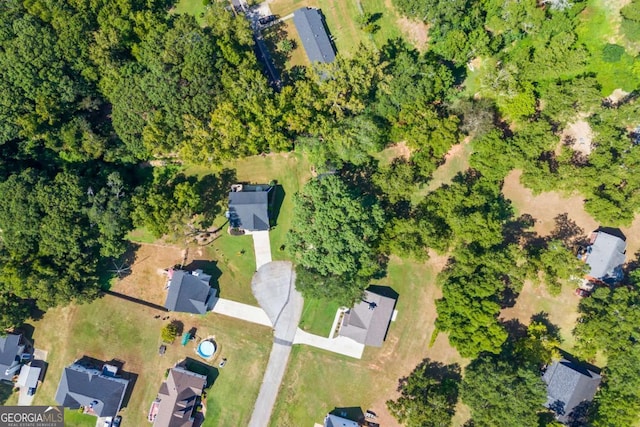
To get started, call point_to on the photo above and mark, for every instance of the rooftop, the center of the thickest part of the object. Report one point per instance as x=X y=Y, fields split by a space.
x=249 y=210
x=569 y=385
x=367 y=322
x=178 y=398
x=605 y=256
x=11 y=347
x=99 y=394
x=189 y=292
x=313 y=34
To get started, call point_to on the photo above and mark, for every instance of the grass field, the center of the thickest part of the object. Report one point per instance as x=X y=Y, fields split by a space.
x=318 y=316
x=191 y=7
x=110 y=328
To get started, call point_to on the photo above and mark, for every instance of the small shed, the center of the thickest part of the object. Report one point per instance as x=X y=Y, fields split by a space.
x=29 y=376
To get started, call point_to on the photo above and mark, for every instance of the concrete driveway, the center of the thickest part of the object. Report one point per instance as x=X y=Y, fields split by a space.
x=274 y=287
x=241 y=311
x=340 y=345
x=261 y=247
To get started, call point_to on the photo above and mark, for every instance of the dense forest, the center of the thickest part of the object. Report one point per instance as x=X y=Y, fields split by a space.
x=92 y=91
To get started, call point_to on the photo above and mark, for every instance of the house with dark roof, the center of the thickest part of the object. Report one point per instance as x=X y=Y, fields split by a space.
x=570 y=388
x=367 y=322
x=313 y=33
x=178 y=399
x=98 y=392
x=189 y=292
x=14 y=350
x=605 y=256
x=249 y=207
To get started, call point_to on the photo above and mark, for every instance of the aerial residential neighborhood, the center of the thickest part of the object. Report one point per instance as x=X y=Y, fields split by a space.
x=323 y=213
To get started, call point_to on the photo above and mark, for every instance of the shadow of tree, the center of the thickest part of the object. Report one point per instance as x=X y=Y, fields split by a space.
x=213 y=190
x=567 y=231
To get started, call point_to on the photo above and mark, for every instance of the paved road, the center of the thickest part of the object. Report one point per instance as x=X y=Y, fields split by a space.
x=262 y=248
x=241 y=311
x=274 y=288
x=341 y=345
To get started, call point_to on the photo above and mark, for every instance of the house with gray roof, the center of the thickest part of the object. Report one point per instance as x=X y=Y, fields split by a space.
x=367 y=322
x=313 y=33
x=98 y=392
x=178 y=399
x=14 y=350
x=189 y=292
x=605 y=257
x=570 y=387
x=29 y=376
x=336 y=421
x=249 y=207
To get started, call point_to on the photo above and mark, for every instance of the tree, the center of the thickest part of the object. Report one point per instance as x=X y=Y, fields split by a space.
x=617 y=403
x=427 y=396
x=169 y=333
x=502 y=395
x=539 y=347
x=608 y=310
x=335 y=231
x=13 y=311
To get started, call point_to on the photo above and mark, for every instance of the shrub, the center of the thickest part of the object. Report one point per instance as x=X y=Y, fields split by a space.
x=612 y=52
x=169 y=333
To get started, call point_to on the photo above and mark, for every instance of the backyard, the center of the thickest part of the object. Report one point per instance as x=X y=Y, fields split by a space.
x=110 y=328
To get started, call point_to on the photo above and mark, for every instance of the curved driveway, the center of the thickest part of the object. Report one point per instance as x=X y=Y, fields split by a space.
x=273 y=285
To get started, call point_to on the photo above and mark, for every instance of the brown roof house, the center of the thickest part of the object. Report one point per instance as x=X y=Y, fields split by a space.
x=367 y=322
x=178 y=399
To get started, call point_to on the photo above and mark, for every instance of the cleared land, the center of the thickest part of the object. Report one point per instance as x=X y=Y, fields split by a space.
x=110 y=328
x=341 y=18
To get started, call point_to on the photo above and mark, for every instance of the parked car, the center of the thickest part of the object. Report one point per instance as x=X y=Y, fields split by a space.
x=116 y=421
x=267 y=19
x=108 y=421
x=31 y=391
x=582 y=293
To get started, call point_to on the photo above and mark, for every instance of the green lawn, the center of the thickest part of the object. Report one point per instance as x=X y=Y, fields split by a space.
x=597 y=28
x=141 y=235
x=110 y=328
x=191 y=7
x=76 y=419
x=318 y=316
x=237 y=263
